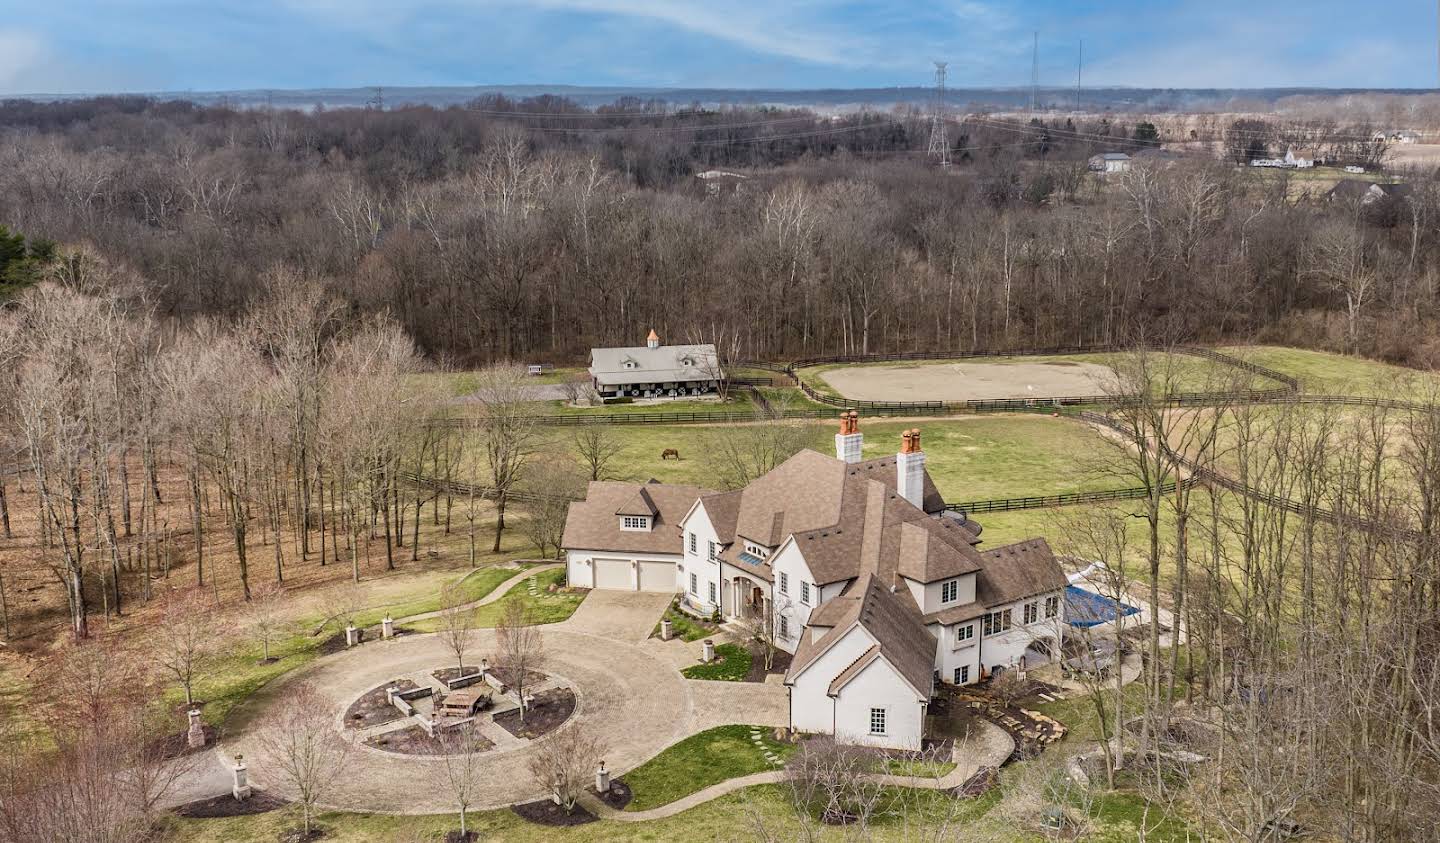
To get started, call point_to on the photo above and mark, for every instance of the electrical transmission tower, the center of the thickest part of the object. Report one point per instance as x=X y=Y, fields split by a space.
x=1035 y=74
x=939 y=141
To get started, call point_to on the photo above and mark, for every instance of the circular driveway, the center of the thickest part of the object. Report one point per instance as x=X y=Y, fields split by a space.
x=629 y=693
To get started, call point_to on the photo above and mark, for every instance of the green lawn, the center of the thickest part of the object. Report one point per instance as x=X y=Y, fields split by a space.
x=237 y=673
x=991 y=456
x=695 y=763
x=732 y=663
x=1001 y=456
x=1324 y=373
x=545 y=607
x=684 y=627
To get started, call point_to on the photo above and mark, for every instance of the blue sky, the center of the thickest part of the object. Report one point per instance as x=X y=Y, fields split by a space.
x=73 y=46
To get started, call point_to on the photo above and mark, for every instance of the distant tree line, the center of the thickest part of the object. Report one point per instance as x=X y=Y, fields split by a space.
x=535 y=229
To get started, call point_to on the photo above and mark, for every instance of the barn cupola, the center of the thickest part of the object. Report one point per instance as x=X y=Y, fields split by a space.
x=652 y=341
x=910 y=469
x=849 y=441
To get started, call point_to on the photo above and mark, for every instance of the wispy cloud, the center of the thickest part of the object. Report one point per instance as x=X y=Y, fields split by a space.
x=181 y=44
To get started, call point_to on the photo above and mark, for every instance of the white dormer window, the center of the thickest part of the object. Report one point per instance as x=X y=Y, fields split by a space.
x=949 y=591
x=629 y=364
x=634 y=522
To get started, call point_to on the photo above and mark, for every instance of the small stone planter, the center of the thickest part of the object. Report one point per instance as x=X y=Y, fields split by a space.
x=667 y=630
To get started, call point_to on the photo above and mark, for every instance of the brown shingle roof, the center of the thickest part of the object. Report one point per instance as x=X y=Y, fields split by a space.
x=594 y=523
x=1017 y=571
x=723 y=509
x=869 y=537
x=639 y=503
x=890 y=618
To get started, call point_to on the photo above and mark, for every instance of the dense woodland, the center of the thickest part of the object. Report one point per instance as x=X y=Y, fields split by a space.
x=533 y=229
x=216 y=367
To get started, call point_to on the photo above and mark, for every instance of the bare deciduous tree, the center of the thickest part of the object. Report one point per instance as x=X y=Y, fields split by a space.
x=520 y=647
x=457 y=622
x=300 y=738
x=564 y=764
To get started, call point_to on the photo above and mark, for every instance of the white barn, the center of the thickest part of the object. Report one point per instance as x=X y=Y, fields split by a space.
x=854 y=567
x=655 y=370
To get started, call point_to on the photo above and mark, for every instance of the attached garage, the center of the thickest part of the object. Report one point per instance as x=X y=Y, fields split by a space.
x=657 y=576
x=614 y=574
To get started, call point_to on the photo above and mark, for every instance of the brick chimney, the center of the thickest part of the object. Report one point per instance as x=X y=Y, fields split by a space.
x=849 y=440
x=910 y=469
x=652 y=341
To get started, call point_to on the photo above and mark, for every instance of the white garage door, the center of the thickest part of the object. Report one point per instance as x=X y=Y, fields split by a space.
x=657 y=576
x=613 y=573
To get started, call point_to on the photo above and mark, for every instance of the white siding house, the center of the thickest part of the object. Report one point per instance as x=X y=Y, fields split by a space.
x=856 y=566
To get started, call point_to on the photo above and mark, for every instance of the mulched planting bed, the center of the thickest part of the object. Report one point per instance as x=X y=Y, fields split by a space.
x=546 y=812
x=504 y=674
x=618 y=796
x=445 y=674
x=216 y=807
x=412 y=740
x=779 y=664
x=550 y=709
x=372 y=709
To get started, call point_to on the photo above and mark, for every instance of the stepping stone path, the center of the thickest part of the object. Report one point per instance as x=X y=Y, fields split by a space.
x=534 y=586
x=760 y=744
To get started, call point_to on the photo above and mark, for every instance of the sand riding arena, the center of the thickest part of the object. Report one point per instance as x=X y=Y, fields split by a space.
x=966 y=380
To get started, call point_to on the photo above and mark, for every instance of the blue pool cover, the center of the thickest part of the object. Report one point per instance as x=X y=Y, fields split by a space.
x=1084 y=609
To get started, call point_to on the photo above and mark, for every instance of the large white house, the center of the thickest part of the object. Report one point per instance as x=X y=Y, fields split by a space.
x=655 y=370
x=854 y=567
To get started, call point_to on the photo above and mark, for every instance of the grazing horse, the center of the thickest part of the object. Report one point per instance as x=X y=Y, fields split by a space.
x=668 y=453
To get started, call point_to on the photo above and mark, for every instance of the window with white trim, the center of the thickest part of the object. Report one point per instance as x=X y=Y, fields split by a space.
x=694 y=584
x=877 y=721
x=997 y=622
x=694 y=543
x=634 y=522
x=784 y=583
x=804 y=593
x=784 y=627
x=712 y=592
x=964 y=633
x=949 y=591
x=962 y=674
x=1032 y=612
x=1052 y=606
x=712 y=551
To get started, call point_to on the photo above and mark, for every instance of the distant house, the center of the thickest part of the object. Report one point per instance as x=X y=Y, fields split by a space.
x=721 y=181
x=1110 y=162
x=1364 y=192
x=655 y=371
x=1300 y=158
x=1406 y=136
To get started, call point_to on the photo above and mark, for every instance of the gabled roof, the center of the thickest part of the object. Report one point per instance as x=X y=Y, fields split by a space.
x=1017 y=571
x=723 y=508
x=639 y=503
x=594 y=523
x=892 y=622
x=667 y=363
